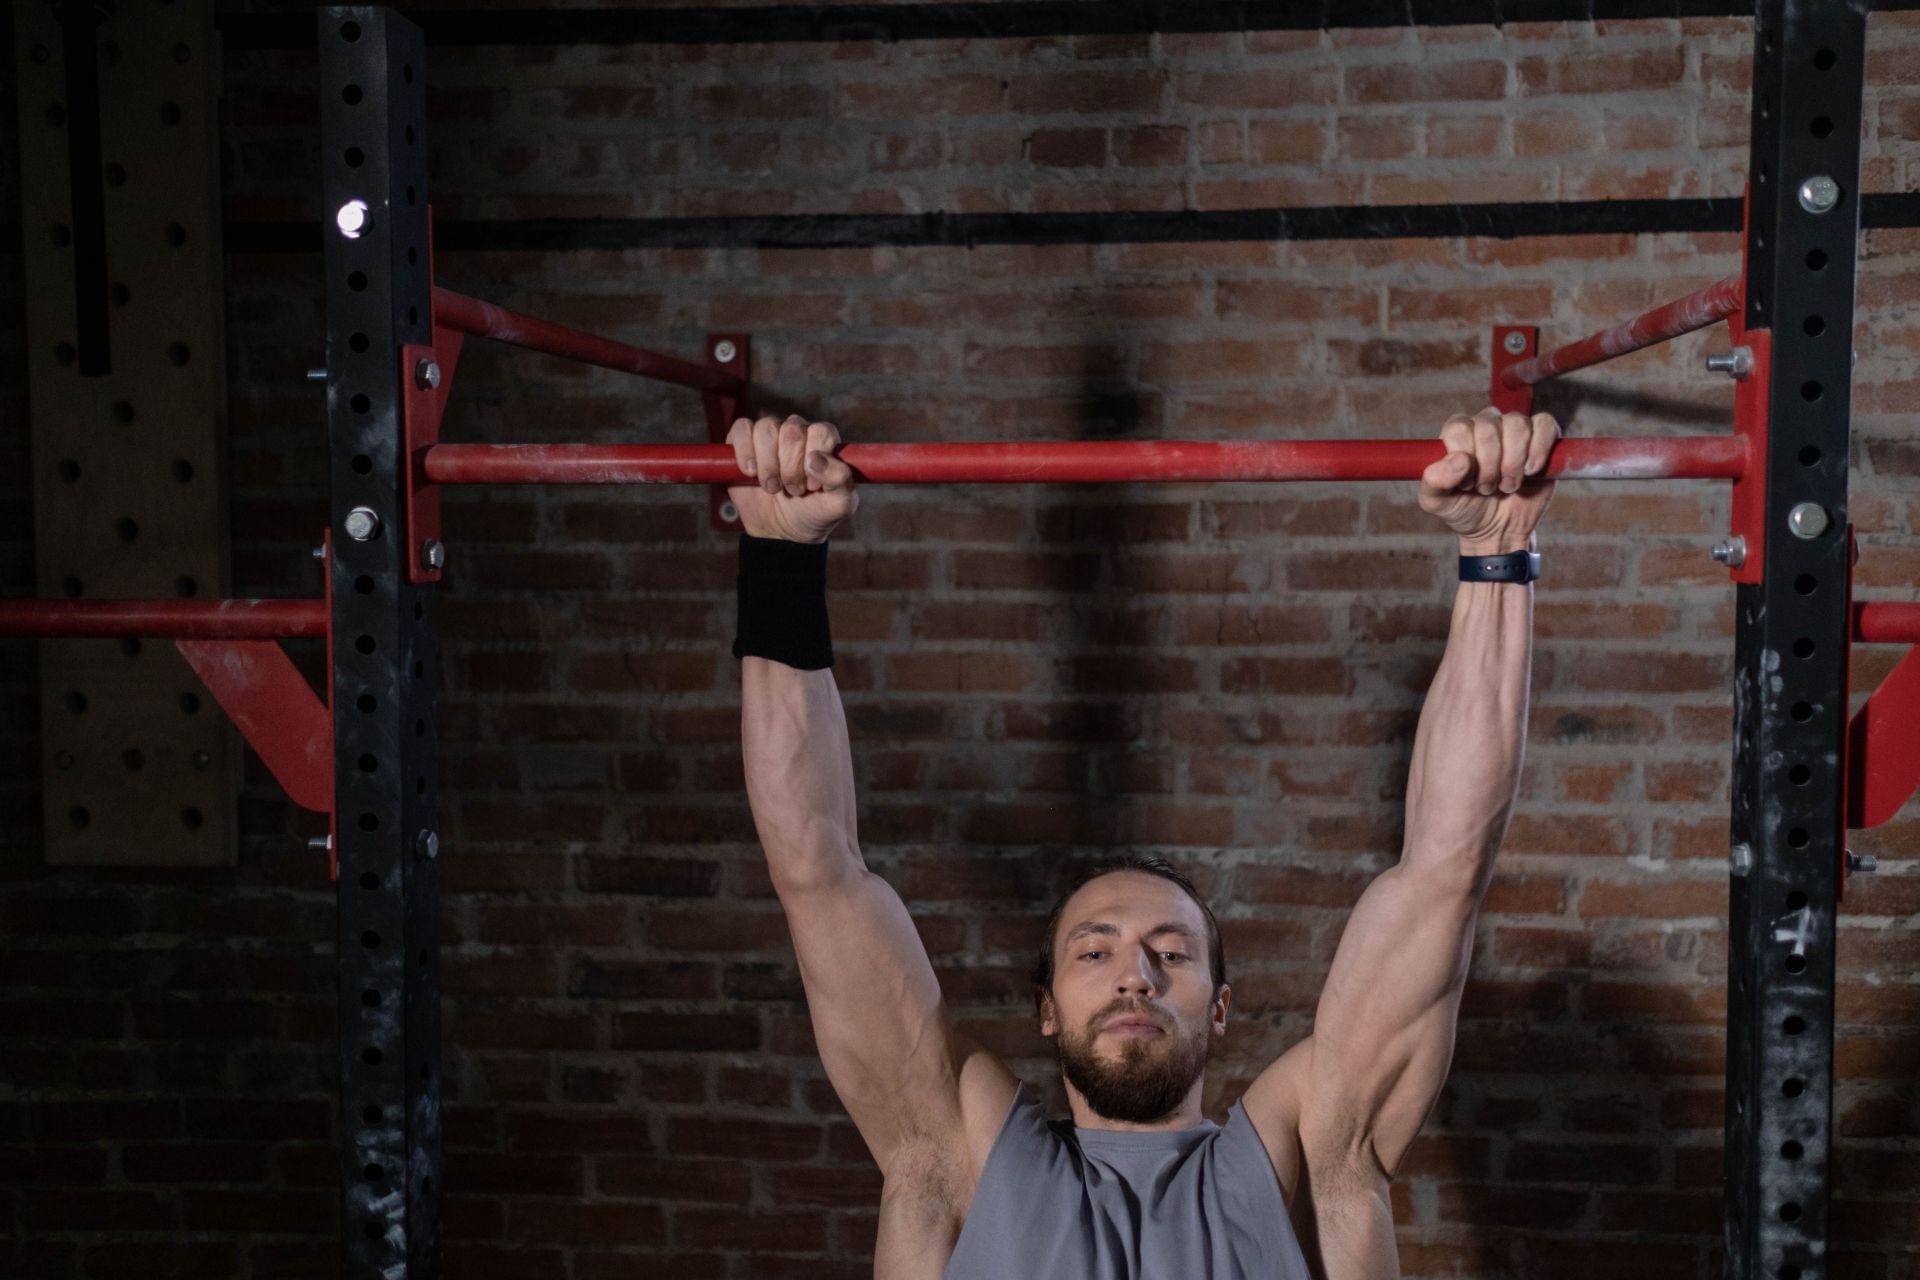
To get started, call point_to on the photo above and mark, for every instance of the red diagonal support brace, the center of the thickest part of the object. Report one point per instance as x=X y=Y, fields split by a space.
x=269 y=701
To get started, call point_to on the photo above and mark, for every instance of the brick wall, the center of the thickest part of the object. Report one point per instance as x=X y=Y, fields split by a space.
x=1229 y=675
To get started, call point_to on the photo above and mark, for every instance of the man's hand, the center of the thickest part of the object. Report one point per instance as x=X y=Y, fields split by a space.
x=1489 y=488
x=803 y=489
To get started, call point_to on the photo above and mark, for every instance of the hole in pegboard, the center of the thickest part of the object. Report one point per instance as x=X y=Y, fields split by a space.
x=1803 y=647
x=65 y=353
x=364 y=584
x=123 y=412
x=369 y=822
x=182 y=54
x=370 y=1115
x=1794 y=1025
x=361 y=404
x=355 y=157
x=121 y=295
x=1816 y=260
x=170 y=113
x=1811 y=391
x=370 y=940
x=56 y=115
x=363 y=644
x=76 y=701
x=185 y=587
x=1820 y=127
x=1806 y=584
x=179 y=353
x=1797 y=838
x=176 y=234
x=1791 y=1150
x=116 y=175
x=1796 y=964
x=68 y=471
x=357 y=343
x=131 y=647
x=133 y=760
x=78 y=817
x=357 y=281
x=1824 y=60
x=368 y=763
x=349 y=31
x=190 y=703
x=182 y=470
x=367 y=703
x=362 y=464
x=1809 y=456
x=371 y=1056
x=61 y=235
x=1799 y=775
x=351 y=95
x=192 y=819
x=126 y=529
x=72 y=587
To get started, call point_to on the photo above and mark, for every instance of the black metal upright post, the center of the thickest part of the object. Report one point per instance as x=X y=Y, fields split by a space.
x=373 y=158
x=1790 y=704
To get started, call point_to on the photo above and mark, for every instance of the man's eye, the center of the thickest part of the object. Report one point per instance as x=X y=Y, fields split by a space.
x=1173 y=955
x=1091 y=954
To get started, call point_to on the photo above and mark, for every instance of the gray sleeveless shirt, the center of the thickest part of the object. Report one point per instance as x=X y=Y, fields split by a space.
x=1065 y=1203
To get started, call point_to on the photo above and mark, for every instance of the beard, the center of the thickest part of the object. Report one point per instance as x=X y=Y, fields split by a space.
x=1144 y=1082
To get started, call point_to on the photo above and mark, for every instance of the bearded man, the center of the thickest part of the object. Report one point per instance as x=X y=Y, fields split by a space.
x=1131 y=983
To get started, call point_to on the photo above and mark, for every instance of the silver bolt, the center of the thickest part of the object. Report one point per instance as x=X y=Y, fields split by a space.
x=1732 y=552
x=363 y=525
x=432 y=554
x=1741 y=858
x=1515 y=343
x=1862 y=862
x=320 y=552
x=352 y=218
x=427 y=844
x=1819 y=194
x=319 y=844
x=1737 y=362
x=316 y=375
x=724 y=351
x=426 y=375
x=729 y=512
x=1807 y=520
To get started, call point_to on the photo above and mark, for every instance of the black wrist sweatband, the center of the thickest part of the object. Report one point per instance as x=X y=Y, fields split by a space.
x=783 y=603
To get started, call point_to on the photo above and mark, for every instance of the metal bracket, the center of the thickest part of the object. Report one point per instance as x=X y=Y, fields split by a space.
x=721 y=410
x=275 y=709
x=1512 y=344
x=426 y=380
x=1748 y=518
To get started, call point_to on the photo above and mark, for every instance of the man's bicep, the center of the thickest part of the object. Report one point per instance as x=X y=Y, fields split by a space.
x=1383 y=1036
x=878 y=1017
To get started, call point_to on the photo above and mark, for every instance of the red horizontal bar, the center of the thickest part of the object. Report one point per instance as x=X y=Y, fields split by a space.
x=196 y=619
x=1886 y=623
x=1696 y=311
x=1078 y=462
x=485 y=320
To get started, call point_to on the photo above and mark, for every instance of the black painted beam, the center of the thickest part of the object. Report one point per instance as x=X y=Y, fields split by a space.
x=1010 y=19
x=839 y=231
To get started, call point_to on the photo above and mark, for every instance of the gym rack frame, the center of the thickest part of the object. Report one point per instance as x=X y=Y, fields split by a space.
x=1804 y=771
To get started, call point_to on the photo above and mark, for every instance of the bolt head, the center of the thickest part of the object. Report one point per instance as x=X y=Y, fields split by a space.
x=1808 y=520
x=1732 y=552
x=1862 y=861
x=729 y=512
x=432 y=554
x=427 y=844
x=724 y=351
x=1515 y=343
x=362 y=524
x=1819 y=194
x=319 y=844
x=320 y=552
x=426 y=375
x=1740 y=859
x=353 y=218
x=316 y=375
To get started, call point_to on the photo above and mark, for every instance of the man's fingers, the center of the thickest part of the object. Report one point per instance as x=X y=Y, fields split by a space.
x=826 y=473
x=1545 y=434
x=1516 y=434
x=740 y=436
x=793 y=455
x=1486 y=453
x=766 y=453
x=1445 y=476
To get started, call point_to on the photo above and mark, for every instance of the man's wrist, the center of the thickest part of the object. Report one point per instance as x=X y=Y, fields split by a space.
x=1496 y=546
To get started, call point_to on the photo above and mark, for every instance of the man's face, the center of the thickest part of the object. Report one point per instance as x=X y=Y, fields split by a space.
x=1133 y=1010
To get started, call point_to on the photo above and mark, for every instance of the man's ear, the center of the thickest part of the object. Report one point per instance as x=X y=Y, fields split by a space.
x=1222 y=1001
x=1049 y=1017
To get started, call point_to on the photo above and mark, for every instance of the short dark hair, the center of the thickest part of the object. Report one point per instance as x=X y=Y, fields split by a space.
x=1216 y=953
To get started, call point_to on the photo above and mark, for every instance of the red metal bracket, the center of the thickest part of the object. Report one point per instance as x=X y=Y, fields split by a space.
x=1748 y=520
x=722 y=409
x=426 y=380
x=272 y=705
x=1512 y=344
x=1882 y=763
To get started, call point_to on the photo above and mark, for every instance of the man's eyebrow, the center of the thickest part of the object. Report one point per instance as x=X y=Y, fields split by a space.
x=1102 y=927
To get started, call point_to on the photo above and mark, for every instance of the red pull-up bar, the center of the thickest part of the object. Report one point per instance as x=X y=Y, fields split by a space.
x=1079 y=462
x=182 y=619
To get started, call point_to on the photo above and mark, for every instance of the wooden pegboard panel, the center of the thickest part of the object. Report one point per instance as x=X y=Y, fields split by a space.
x=119 y=146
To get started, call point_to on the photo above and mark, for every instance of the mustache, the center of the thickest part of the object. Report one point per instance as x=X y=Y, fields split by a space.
x=1129 y=1009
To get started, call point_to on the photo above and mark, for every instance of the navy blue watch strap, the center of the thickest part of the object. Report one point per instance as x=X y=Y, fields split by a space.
x=1518 y=566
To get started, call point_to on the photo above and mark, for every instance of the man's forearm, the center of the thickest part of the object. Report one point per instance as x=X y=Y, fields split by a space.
x=1467 y=752
x=799 y=770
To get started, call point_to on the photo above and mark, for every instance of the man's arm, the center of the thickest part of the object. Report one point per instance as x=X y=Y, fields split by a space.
x=1366 y=1079
x=878 y=1016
